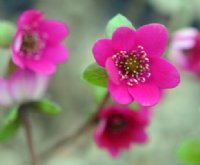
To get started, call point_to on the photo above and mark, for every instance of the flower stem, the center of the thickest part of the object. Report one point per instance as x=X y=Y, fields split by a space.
x=23 y=112
x=85 y=127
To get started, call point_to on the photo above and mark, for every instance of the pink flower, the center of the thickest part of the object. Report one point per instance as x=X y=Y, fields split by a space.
x=134 y=65
x=185 y=50
x=22 y=86
x=37 y=43
x=120 y=127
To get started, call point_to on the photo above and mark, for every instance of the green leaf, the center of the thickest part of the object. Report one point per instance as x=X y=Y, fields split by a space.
x=47 y=107
x=9 y=130
x=96 y=75
x=116 y=22
x=189 y=151
x=135 y=106
x=7 y=31
x=11 y=124
x=12 y=115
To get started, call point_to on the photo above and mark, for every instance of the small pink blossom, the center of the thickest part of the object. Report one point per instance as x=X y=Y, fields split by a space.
x=120 y=127
x=37 y=43
x=22 y=86
x=185 y=50
x=133 y=62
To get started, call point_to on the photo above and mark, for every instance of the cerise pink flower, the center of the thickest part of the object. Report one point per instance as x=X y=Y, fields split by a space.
x=22 y=86
x=37 y=43
x=133 y=62
x=121 y=127
x=185 y=50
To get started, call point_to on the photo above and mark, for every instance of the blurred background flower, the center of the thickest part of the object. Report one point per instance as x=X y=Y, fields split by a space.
x=120 y=127
x=22 y=86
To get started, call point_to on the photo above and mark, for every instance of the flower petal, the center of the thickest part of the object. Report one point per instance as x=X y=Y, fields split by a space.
x=139 y=136
x=41 y=66
x=40 y=86
x=102 y=49
x=124 y=39
x=114 y=152
x=145 y=94
x=17 y=60
x=164 y=74
x=153 y=37
x=112 y=71
x=53 y=31
x=119 y=93
x=15 y=49
x=56 y=54
x=29 y=18
x=21 y=85
x=5 y=97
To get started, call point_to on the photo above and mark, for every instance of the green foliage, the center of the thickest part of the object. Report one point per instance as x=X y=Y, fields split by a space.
x=46 y=106
x=189 y=151
x=96 y=75
x=11 y=124
x=116 y=22
x=100 y=93
x=7 y=31
x=134 y=106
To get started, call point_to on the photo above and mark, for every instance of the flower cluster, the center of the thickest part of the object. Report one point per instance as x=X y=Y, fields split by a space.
x=136 y=72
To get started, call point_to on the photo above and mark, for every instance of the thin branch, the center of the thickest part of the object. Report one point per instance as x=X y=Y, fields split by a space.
x=23 y=113
x=84 y=128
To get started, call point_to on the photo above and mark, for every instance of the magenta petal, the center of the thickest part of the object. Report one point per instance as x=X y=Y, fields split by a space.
x=102 y=49
x=42 y=67
x=164 y=74
x=124 y=39
x=139 y=136
x=119 y=93
x=153 y=37
x=15 y=47
x=29 y=17
x=56 y=54
x=112 y=71
x=56 y=31
x=114 y=152
x=145 y=94
x=17 y=60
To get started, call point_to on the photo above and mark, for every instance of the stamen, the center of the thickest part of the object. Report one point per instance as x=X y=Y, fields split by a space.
x=31 y=45
x=134 y=67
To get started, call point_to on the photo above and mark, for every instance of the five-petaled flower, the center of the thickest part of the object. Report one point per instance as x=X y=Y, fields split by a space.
x=22 y=86
x=121 y=127
x=133 y=62
x=185 y=50
x=37 y=43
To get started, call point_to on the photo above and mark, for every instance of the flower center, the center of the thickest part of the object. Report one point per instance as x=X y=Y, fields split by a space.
x=133 y=67
x=29 y=44
x=116 y=123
